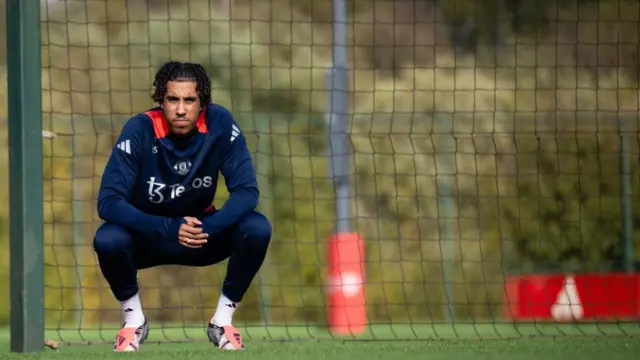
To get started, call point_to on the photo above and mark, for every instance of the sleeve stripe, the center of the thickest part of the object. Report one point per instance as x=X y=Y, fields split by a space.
x=125 y=146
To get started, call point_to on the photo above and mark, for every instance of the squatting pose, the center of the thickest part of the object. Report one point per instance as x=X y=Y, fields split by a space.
x=156 y=194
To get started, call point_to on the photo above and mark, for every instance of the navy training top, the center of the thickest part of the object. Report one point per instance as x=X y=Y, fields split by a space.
x=152 y=179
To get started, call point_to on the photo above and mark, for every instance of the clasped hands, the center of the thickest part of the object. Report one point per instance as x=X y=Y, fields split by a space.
x=191 y=233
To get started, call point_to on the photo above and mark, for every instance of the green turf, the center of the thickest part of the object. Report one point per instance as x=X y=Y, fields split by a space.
x=432 y=331
x=426 y=341
x=585 y=349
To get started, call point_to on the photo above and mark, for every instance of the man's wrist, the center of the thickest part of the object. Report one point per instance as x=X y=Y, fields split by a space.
x=173 y=226
x=207 y=224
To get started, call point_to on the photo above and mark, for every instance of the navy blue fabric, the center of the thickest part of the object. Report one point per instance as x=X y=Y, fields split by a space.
x=152 y=180
x=145 y=186
x=122 y=252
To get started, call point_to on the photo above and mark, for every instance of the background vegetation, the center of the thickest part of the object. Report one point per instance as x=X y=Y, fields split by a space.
x=512 y=107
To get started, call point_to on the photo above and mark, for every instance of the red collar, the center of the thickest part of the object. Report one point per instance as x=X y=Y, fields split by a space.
x=161 y=128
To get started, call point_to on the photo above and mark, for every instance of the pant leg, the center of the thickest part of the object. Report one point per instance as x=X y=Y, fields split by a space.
x=121 y=253
x=249 y=240
x=245 y=244
x=115 y=247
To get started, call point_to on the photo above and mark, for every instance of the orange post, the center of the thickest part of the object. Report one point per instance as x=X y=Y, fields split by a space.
x=346 y=303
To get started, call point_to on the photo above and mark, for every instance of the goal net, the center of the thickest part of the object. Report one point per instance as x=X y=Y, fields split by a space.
x=493 y=162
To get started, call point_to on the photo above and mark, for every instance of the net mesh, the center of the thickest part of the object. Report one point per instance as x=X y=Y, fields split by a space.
x=484 y=147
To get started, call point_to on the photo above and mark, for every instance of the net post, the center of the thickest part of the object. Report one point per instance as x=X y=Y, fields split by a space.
x=626 y=197
x=338 y=107
x=264 y=169
x=345 y=250
x=445 y=153
x=25 y=175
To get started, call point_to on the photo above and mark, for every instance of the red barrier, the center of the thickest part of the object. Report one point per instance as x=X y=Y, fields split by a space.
x=346 y=305
x=558 y=297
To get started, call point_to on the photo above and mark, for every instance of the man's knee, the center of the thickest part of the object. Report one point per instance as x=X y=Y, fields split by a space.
x=256 y=230
x=111 y=238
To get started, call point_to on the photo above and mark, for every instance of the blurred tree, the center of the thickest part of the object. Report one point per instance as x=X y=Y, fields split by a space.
x=566 y=214
x=531 y=190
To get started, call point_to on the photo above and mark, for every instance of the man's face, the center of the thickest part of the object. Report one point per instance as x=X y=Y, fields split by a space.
x=181 y=106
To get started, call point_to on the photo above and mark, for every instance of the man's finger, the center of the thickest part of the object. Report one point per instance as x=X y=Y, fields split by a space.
x=196 y=236
x=190 y=240
x=191 y=229
x=192 y=221
x=191 y=243
x=191 y=246
x=186 y=235
x=197 y=241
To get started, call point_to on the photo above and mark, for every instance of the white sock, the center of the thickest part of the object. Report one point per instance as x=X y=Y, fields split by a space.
x=132 y=311
x=224 y=312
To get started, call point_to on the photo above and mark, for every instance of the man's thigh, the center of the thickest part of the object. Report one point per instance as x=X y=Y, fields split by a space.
x=154 y=252
x=151 y=252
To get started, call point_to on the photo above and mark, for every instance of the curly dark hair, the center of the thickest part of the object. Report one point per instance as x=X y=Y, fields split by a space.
x=179 y=71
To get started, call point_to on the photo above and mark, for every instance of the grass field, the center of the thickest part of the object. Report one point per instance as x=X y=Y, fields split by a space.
x=495 y=349
x=546 y=342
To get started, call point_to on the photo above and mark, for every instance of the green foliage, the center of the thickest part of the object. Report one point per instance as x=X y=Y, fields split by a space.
x=495 y=20
x=566 y=214
x=526 y=191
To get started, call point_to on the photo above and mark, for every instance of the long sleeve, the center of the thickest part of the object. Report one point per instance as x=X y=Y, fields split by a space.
x=117 y=183
x=240 y=179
